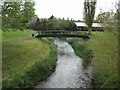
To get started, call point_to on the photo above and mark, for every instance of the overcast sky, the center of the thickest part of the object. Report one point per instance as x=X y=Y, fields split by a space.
x=68 y=8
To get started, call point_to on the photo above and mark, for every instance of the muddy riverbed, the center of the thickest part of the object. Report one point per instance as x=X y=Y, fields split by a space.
x=69 y=72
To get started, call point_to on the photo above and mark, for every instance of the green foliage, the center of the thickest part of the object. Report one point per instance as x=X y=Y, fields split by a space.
x=57 y=24
x=26 y=60
x=10 y=14
x=28 y=11
x=105 y=48
x=15 y=14
x=81 y=50
x=107 y=19
x=37 y=72
x=103 y=17
x=105 y=62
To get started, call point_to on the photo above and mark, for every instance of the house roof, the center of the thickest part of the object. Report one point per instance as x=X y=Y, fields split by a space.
x=82 y=24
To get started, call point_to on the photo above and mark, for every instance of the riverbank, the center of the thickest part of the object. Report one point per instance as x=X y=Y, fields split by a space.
x=69 y=72
x=26 y=60
x=104 y=46
x=81 y=50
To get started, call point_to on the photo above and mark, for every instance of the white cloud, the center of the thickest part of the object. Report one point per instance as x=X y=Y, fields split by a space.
x=67 y=8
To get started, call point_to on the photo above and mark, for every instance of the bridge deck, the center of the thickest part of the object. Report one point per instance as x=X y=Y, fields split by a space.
x=62 y=35
x=57 y=33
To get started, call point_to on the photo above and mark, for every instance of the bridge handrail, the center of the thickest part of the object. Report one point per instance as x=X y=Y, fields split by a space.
x=63 y=32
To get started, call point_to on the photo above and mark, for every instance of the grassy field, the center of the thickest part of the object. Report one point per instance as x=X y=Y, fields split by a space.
x=105 y=62
x=21 y=53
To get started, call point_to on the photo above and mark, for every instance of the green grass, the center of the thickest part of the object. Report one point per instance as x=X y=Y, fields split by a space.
x=104 y=46
x=21 y=53
x=105 y=62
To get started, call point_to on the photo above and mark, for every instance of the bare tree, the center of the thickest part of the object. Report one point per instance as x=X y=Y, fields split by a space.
x=89 y=12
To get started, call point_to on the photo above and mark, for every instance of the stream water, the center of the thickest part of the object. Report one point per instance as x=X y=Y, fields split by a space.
x=69 y=72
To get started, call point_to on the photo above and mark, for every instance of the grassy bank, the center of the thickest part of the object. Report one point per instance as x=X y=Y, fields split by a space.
x=104 y=46
x=81 y=50
x=26 y=60
x=105 y=62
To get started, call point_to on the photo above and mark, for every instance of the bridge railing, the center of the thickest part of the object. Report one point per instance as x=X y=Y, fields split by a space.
x=48 y=32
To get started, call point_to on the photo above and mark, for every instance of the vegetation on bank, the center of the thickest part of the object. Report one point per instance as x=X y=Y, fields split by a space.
x=26 y=60
x=104 y=54
x=81 y=50
x=104 y=46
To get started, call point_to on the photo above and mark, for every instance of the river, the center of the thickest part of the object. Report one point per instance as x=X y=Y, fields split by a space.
x=69 y=72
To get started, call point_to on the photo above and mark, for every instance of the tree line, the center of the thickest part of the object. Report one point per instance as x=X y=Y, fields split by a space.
x=16 y=15
x=21 y=15
x=52 y=23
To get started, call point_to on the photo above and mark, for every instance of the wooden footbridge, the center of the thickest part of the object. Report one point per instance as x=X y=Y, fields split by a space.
x=61 y=33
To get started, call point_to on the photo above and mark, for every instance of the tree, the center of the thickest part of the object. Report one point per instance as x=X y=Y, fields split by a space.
x=116 y=19
x=58 y=24
x=11 y=14
x=32 y=22
x=117 y=14
x=104 y=17
x=16 y=14
x=89 y=12
x=52 y=17
x=28 y=11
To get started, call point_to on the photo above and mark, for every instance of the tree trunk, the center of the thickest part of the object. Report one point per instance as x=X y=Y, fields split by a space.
x=89 y=31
